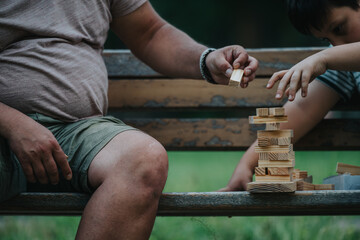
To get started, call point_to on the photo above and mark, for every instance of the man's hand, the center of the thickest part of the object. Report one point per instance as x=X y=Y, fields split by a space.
x=299 y=76
x=38 y=152
x=222 y=62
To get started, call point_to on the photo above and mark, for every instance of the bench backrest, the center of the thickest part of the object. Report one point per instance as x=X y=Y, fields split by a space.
x=185 y=114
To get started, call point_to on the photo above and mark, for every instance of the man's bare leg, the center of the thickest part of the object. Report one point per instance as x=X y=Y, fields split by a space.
x=129 y=174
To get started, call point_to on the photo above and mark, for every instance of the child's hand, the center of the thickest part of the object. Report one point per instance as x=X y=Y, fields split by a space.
x=299 y=76
x=239 y=180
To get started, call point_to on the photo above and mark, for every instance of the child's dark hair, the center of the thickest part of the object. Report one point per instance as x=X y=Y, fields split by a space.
x=307 y=14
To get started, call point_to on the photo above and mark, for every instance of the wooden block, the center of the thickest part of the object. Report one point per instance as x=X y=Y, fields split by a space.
x=280 y=171
x=261 y=112
x=283 y=141
x=324 y=186
x=272 y=126
x=304 y=186
x=279 y=111
x=286 y=133
x=262 y=187
x=274 y=149
x=275 y=163
x=259 y=171
x=269 y=178
x=342 y=168
x=269 y=119
x=263 y=142
x=299 y=174
x=277 y=156
x=236 y=77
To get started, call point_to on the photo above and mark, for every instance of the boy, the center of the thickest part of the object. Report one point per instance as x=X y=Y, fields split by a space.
x=337 y=21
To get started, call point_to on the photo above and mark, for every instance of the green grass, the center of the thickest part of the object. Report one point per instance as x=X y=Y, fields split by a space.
x=209 y=171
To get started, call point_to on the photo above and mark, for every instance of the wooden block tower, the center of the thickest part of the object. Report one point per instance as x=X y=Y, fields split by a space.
x=276 y=156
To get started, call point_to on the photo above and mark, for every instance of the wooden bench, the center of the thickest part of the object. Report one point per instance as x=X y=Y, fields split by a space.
x=194 y=115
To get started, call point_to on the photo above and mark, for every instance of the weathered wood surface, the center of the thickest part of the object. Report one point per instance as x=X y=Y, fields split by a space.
x=202 y=204
x=180 y=134
x=185 y=93
x=270 y=61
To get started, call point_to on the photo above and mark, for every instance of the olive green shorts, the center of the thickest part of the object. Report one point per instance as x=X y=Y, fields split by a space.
x=80 y=140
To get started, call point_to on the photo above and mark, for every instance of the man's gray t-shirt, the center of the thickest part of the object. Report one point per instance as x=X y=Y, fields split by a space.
x=50 y=55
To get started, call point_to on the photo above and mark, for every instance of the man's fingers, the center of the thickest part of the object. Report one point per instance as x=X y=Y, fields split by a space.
x=40 y=172
x=51 y=168
x=62 y=162
x=28 y=171
x=239 y=57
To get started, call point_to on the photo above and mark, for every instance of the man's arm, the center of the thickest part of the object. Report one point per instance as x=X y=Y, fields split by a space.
x=303 y=114
x=172 y=52
x=36 y=148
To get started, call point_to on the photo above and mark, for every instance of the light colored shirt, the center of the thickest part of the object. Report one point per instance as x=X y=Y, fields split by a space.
x=50 y=55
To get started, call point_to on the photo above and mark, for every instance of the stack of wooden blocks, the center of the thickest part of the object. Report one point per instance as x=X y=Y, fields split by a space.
x=276 y=156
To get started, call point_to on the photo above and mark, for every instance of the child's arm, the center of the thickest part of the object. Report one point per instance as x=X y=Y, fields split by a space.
x=303 y=114
x=343 y=57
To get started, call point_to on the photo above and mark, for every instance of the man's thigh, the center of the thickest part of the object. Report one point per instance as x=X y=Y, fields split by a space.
x=81 y=141
x=127 y=153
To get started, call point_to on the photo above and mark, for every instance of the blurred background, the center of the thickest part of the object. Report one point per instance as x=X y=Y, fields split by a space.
x=215 y=23
x=252 y=24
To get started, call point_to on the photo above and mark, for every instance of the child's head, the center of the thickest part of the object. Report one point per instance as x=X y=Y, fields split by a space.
x=335 y=20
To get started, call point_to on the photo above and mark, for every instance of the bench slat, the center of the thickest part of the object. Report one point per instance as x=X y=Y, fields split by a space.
x=338 y=202
x=237 y=134
x=175 y=93
x=270 y=61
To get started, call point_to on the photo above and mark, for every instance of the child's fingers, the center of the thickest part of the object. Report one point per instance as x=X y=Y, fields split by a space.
x=287 y=92
x=305 y=79
x=282 y=85
x=275 y=77
x=294 y=84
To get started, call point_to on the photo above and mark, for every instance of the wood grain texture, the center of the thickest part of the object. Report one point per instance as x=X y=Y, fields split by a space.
x=277 y=156
x=324 y=187
x=280 y=170
x=273 y=187
x=261 y=112
x=264 y=142
x=202 y=204
x=269 y=178
x=267 y=119
x=260 y=171
x=342 y=168
x=236 y=133
x=236 y=78
x=275 y=163
x=177 y=93
x=274 y=149
x=272 y=126
x=288 y=133
x=304 y=186
x=279 y=111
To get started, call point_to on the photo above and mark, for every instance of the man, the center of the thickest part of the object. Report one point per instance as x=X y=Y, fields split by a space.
x=53 y=98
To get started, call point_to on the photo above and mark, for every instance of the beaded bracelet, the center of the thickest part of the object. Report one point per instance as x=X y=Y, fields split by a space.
x=203 y=68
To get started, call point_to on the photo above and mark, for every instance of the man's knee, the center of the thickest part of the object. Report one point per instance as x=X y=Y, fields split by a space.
x=143 y=168
x=152 y=168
